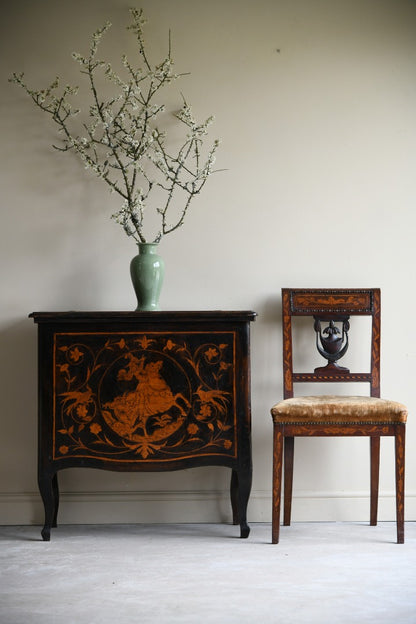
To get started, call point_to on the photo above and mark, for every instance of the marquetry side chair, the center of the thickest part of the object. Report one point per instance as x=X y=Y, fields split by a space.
x=329 y=415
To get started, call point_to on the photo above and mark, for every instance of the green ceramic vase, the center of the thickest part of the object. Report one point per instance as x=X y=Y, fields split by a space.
x=147 y=270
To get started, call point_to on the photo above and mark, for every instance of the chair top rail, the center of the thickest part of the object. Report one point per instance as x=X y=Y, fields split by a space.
x=318 y=301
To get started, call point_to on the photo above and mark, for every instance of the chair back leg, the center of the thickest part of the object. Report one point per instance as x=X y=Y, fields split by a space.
x=375 y=472
x=288 y=480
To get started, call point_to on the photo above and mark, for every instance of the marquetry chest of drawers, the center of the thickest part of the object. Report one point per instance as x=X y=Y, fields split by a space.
x=144 y=391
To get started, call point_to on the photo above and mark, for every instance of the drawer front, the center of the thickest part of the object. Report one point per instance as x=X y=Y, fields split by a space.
x=137 y=397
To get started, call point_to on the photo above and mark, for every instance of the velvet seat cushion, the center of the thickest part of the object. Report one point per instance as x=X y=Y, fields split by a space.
x=330 y=409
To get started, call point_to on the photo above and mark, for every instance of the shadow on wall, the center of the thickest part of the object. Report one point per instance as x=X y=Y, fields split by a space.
x=266 y=382
x=266 y=347
x=18 y=414
x=270 y=311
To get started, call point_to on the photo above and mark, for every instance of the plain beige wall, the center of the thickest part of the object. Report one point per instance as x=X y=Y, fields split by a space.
x=315 y=105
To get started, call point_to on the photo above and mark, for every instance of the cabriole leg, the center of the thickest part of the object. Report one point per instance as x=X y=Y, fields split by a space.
x=234 y=496
x=55 y=488
x=243 y=479
x=47 y=492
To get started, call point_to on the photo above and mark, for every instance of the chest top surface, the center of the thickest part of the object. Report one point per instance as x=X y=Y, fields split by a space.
x=144 y=317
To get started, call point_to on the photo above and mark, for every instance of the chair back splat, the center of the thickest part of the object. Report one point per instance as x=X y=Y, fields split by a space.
x=331 y=415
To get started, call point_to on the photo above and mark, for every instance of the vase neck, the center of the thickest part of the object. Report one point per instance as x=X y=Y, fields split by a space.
x=147 y=248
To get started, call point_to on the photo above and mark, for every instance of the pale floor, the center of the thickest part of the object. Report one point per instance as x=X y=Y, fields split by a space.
x=320 y=573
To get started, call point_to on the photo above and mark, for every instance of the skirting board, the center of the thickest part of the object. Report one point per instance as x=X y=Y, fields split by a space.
x=193 y=506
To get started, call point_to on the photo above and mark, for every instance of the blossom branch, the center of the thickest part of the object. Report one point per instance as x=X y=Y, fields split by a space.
x=122 y=143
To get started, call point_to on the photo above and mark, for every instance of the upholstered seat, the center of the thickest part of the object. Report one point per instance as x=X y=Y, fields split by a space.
x=332 y=409
x=328 y=414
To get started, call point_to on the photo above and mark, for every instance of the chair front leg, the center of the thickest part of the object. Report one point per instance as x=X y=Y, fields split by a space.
x=277 y=481
x=400 y=436
x=375 y=472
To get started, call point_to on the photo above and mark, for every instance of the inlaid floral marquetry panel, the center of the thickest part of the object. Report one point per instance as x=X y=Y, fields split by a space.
x=315 y=301
x=135 y=397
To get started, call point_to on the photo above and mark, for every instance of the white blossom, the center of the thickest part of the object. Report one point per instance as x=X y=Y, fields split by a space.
x=123 y=145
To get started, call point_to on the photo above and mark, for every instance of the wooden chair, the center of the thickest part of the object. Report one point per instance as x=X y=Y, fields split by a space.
x=329 y=415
